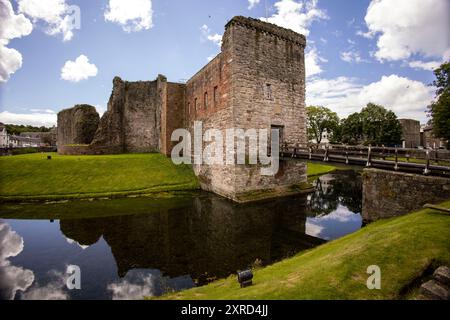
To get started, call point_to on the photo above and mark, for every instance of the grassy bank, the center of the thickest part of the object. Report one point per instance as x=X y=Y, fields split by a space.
x=402 y=247
x=155 y=203
x=33 y=177
x=317 y=169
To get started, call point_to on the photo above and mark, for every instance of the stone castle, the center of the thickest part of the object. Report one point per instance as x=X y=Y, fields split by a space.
x=257 y=81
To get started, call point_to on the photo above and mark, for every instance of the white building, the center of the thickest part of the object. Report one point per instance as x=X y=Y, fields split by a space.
x=4 y=141
x=325 y=138
x=23 y=142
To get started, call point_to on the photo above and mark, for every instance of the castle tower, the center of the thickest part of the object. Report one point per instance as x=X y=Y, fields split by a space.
x=256 y=82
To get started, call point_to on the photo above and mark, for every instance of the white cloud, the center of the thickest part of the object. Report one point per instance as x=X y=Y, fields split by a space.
x=140 y=286
x=132 y=15
x=57 y=16
x=42 y=110
x=78 y=70
x=324 y=226
x=101 y=109
x=252 y=3
x=139 y=283
x=313 y=230
x=10 y=62
x=367 y=35
x=76 y=243
x=407 y=98
x=351 y=56
x=34 y=119
x=55 y=289
x=297 y=16
x=208 y=35
x=11 y=26
x=18 y=280
x=408 y=27
x=312 y=62
x=12 y=278
x=430 y=65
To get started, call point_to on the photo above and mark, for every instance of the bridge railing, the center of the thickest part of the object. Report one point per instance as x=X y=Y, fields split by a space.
x=411 y=160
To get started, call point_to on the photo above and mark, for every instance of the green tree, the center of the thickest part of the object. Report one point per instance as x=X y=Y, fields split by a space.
x=373 y=125
x=336 y=136
x=320 y=119
x=352 y=129
x=439 y=110
x=380 y=126
x=18 y=129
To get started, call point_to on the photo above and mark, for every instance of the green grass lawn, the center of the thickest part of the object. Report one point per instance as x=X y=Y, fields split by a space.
x=402 y=247
x=316 y=169
x=32 y=176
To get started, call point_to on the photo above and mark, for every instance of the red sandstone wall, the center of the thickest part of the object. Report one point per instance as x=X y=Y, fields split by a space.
x=216 y=114
x=172 y=114
x=216 y=74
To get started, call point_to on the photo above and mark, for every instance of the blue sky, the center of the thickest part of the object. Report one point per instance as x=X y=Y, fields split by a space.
x=358 y=50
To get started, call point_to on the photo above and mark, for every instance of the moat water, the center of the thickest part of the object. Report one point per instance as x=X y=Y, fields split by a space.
x=130 y=248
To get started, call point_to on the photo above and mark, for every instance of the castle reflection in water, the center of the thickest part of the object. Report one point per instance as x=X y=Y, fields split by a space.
x=149 y=247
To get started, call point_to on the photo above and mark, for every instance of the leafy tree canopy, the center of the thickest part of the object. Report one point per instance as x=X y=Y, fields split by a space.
x=439 y=110
x=373 y=125
x=321 y=119
x=380 y=126
x=18 y=129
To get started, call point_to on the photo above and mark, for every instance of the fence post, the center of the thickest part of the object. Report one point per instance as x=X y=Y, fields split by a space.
x=396 y=160
x=346 y=155
x=427 y=165
x=369 y=157
x=310 y=153
x=325 y=159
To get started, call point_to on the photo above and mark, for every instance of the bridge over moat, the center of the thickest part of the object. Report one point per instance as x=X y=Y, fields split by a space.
x=426 y=162
x=395 y=181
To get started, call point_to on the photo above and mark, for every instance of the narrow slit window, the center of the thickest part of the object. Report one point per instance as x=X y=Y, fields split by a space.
x=195 y=104
x=205 y=100
x=268 y=91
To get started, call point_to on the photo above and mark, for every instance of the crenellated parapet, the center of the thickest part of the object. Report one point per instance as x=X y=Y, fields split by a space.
x=269 y=28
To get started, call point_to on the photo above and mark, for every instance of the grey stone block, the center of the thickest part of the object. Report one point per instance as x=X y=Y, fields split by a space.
x=442 y=274
x=435 y=290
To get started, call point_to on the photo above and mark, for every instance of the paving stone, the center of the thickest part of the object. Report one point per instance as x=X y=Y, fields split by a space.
x=435 y=290
x=442 y=274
